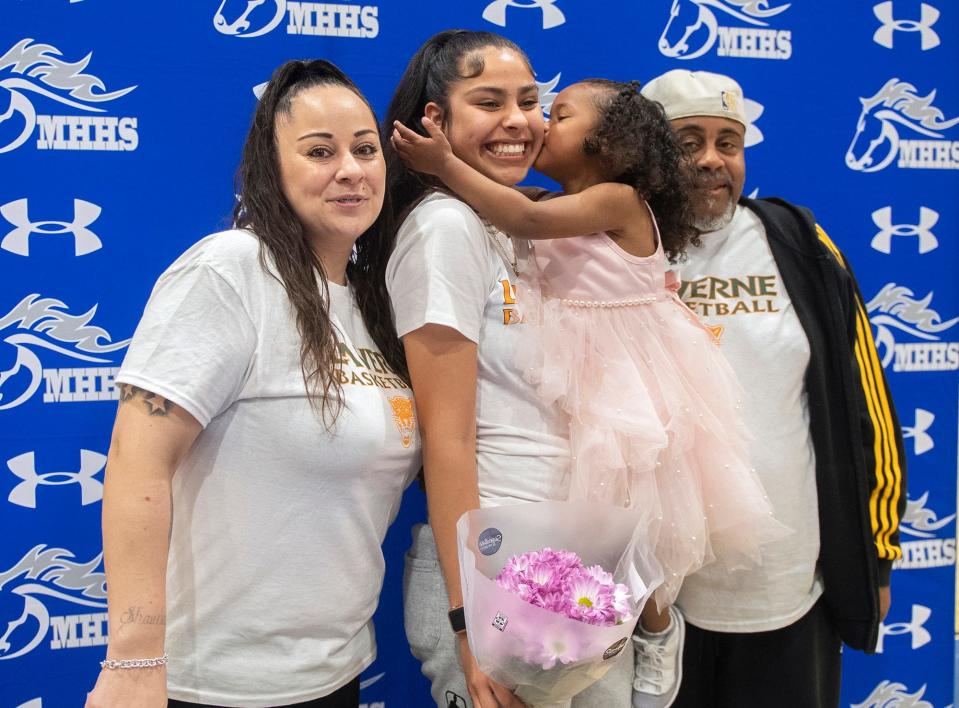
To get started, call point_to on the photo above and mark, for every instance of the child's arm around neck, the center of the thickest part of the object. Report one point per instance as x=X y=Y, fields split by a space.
x=609 y=206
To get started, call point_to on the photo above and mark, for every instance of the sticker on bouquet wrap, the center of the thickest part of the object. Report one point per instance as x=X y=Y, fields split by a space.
x=490 y=541
x=500 y=621
x=615 y=649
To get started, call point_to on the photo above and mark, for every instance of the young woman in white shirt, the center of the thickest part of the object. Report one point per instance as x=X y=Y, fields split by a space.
x=487 y=438
x=265 y=431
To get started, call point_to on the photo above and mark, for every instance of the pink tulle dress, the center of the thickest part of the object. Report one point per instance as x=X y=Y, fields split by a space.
x=652 y=402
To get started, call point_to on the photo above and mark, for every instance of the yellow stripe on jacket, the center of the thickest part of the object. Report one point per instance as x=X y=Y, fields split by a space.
x=887 y=472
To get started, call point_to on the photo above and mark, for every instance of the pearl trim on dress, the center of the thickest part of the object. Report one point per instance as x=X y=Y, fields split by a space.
x=647 y=300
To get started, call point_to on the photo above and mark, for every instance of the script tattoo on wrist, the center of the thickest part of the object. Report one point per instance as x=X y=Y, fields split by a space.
x=156 y=404
x=135 y=615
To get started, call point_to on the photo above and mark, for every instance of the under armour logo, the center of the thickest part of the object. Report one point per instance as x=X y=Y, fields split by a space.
x=914 y=627
x=890 y=25
x=454 y=700
x=18 y=240
x=495 y=12
x=24 y=467
x=921 y=440
x=927 y=240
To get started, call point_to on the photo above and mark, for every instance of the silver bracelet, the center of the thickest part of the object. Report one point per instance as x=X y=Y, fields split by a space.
x=134 y=663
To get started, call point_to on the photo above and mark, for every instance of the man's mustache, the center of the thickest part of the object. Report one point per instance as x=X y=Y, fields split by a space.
x=711 y=180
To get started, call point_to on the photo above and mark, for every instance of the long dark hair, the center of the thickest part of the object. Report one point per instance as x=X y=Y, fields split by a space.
x=637 y=146
x=435 y=67
x=264 y=209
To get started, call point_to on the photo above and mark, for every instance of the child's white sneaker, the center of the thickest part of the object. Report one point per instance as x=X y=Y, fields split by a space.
x=659 y=663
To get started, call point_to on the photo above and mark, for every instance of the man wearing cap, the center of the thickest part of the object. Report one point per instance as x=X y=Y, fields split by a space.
x=826 y=442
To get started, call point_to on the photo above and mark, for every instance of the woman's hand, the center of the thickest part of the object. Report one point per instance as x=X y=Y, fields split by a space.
x=430 y=155
x=123 y=688
x=484 y=691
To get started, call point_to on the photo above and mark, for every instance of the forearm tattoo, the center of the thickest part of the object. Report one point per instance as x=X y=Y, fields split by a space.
x=136 y=616
x=155 y=403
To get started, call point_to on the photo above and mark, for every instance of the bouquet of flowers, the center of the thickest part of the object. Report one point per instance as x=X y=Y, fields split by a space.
x=560 y=582
x=548 y=623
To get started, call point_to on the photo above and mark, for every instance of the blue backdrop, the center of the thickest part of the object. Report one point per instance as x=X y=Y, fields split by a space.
x=121 y=125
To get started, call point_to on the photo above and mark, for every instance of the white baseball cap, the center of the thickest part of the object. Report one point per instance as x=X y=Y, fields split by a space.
x=685 y=93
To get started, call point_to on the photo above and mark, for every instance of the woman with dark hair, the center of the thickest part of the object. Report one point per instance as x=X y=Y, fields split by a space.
x=265 y=431
x=487 y=437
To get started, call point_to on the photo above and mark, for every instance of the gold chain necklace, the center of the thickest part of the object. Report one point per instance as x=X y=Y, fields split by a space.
x=503 y=244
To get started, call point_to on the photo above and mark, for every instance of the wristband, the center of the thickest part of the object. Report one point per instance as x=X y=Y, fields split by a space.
x=458 y=620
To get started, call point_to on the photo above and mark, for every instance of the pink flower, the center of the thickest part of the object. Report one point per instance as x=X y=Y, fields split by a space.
x=558 y=581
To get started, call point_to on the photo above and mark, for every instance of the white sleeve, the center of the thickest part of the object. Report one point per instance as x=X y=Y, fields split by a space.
x=194 y=344
x=439 y=272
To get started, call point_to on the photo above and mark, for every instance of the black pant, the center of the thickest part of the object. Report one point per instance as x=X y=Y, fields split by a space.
x=346 y=697
x=796 y=666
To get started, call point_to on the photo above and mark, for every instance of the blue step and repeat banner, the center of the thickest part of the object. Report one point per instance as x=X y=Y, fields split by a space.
x=121 y=125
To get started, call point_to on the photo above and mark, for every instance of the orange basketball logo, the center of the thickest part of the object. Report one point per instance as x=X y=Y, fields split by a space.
x=404 y=417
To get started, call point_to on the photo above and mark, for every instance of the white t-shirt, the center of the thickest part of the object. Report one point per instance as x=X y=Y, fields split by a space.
x=445 y=270
x=275 y=564
x=734 y=285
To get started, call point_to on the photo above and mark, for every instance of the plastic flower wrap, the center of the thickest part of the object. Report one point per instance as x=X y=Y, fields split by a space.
x=548 y=623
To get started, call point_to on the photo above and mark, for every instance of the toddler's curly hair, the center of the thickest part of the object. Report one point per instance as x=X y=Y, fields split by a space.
x=636 y=146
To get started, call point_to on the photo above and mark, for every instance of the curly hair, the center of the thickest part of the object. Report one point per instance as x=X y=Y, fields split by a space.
x=637 y=146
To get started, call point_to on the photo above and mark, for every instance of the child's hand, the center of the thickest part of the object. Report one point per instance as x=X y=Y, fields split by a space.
x=423 y=154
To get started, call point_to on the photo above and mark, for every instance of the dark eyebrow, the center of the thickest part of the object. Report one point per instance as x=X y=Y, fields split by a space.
x=486 y=89
x=691 y=128
x=498 y=91
x=329 y=136
x=730 y=131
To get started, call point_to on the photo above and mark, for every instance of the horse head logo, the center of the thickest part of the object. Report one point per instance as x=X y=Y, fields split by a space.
x=42 y=323
x=889 y=694
x=896 y=308
x=692 y=27
x=548 y=93
x=876 y=141
x=45 y=572
x=36 y=69
x=920 y=521
x=240 y=10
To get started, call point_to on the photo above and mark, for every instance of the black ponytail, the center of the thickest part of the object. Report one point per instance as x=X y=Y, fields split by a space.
x=443 y=60
x=637 y=146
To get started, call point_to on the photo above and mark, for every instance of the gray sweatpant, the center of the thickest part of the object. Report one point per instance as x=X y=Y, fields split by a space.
x=425 y=605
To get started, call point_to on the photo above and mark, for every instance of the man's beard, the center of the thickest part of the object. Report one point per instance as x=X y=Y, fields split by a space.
x=709 y=222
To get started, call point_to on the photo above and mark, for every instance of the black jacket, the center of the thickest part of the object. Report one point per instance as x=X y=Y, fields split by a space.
x=860 y=460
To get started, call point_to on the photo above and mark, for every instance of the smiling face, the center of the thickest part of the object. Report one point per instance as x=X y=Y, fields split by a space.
x=331 y=165
x=572 y=119
x=716 y=147
x=494 y=122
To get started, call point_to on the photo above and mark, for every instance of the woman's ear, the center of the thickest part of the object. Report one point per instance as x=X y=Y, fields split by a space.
x=436 y=114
